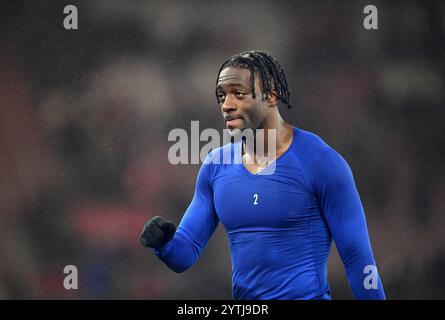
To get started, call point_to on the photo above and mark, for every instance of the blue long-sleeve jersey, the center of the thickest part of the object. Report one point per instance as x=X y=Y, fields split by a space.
x=280 y=225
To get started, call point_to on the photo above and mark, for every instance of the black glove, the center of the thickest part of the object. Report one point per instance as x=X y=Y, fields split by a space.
x=157 y=232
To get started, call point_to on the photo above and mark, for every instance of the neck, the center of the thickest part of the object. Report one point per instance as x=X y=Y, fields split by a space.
x=283 y=136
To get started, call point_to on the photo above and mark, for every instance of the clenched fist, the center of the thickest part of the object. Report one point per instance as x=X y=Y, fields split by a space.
x=157 y=232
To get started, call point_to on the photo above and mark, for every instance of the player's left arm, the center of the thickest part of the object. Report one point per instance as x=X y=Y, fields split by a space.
x=343 y=211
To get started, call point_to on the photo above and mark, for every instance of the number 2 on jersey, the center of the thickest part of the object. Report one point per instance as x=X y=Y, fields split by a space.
x=255 y=199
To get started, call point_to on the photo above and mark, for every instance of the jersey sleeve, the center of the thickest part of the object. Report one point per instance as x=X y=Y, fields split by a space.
x=196 y=227
x=342 y=208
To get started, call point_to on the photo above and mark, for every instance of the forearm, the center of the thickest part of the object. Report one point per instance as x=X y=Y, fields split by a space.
x=362 y=273
x=181 y=252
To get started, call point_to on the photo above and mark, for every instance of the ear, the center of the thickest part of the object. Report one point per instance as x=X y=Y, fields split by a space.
x=272 y=98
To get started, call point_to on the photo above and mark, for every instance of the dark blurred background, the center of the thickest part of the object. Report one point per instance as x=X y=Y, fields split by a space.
x=85 y=115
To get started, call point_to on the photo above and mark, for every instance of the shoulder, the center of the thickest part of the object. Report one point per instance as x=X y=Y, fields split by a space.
x=217 y=158
x=316 y=156
x=311 y=148
x=222 y=155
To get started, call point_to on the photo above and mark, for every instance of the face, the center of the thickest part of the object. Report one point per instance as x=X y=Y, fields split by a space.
x=239 y=109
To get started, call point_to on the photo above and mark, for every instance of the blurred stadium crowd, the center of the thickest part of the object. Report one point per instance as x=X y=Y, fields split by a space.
x=85 y=115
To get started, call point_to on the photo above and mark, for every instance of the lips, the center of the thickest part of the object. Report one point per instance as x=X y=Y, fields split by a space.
x=232 y=121
x=231 y=118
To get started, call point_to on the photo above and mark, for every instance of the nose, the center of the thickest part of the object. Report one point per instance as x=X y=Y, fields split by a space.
x=228 y=105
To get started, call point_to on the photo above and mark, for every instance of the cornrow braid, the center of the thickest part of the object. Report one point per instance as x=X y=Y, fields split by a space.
x=281 y=76
x=272 y=74
x=264 y=71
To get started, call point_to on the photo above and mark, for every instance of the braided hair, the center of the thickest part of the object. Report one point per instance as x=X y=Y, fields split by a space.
x=272 y=74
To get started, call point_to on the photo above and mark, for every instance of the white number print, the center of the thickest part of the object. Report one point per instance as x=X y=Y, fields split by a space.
x=255 y=199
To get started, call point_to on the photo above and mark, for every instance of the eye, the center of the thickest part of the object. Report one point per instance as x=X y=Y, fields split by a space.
x=221 y=96
x=239 y=94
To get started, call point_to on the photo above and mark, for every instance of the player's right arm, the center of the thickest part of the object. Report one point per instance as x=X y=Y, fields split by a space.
x=180 y=248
